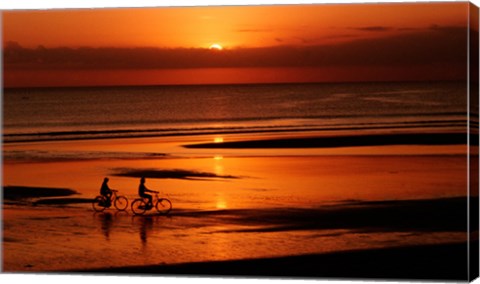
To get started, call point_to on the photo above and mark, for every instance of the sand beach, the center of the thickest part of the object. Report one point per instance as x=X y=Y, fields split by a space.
x=244 y=208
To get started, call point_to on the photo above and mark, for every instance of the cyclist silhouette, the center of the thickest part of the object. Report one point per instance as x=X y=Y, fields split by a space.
x=105 y=191
x=141 y=191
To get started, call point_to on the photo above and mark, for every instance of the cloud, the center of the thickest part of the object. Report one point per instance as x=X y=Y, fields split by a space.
x=372 y=29
x=254 y=30
x=340 y=36
x=445 y=46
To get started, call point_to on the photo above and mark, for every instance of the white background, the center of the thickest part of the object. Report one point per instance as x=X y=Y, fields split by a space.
x=48 y=4
x=88 y=279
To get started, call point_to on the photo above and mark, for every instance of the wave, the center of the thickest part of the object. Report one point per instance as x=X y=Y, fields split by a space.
x=305 y=124
x=43 y=156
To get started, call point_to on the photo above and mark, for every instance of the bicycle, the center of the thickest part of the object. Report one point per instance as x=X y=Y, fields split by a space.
x=100 y=202
x=140 y=205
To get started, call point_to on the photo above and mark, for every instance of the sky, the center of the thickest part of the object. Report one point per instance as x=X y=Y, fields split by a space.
x=259 y=44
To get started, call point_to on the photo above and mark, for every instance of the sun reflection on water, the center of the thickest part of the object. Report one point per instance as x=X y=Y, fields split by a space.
x=218 y=165
x=221 y=202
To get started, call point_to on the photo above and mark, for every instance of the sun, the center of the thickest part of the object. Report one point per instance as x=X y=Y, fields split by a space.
x=215 y=46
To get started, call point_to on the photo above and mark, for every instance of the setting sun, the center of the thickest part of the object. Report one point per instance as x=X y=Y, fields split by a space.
x=215 y=46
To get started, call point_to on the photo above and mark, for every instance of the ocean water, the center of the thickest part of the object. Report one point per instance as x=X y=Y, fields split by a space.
x=44 y=114
x=228 y=204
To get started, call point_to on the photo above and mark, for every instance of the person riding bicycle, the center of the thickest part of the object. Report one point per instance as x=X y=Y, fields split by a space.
x=106 y=192
x=141 y=191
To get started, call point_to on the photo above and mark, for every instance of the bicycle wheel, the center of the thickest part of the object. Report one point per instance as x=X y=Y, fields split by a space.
x=163 y=206
x=139 y=207
x=98 y=204
x=121 y=203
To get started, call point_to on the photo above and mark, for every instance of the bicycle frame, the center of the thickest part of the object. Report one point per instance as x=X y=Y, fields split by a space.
x=114 y=195
x=163 y=205
x=120 y=202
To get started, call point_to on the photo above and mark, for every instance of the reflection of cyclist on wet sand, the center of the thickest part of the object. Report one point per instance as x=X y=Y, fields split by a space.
x=145 y=227
x=107 y=221
x=141 y=191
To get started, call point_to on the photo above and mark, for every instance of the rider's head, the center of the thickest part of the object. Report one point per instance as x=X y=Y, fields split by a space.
x=142 y=180
x=105 y=179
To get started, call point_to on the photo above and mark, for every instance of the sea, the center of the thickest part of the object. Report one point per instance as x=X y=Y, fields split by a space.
x=230 y=204
x=51 y=114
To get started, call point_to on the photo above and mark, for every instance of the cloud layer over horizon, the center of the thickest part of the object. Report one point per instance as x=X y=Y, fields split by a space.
x=445 y=46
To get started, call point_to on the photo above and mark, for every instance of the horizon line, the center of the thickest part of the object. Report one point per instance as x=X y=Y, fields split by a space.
x=230 y=84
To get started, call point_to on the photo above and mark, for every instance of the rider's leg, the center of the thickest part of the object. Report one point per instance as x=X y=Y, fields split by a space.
x=149 y=197
x=104 y=200
x=108 y=196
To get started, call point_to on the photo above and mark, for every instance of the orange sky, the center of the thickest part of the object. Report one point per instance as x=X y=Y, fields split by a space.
x=251 y=35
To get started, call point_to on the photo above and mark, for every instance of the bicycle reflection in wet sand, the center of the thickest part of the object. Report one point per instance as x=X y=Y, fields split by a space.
x=110 y=220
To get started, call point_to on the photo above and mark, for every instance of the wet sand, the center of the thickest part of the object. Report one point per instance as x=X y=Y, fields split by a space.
x=348 y=239
x=237 y=207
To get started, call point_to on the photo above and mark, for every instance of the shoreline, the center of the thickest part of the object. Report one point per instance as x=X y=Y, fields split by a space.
x=448 y=128
x=243 y=145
